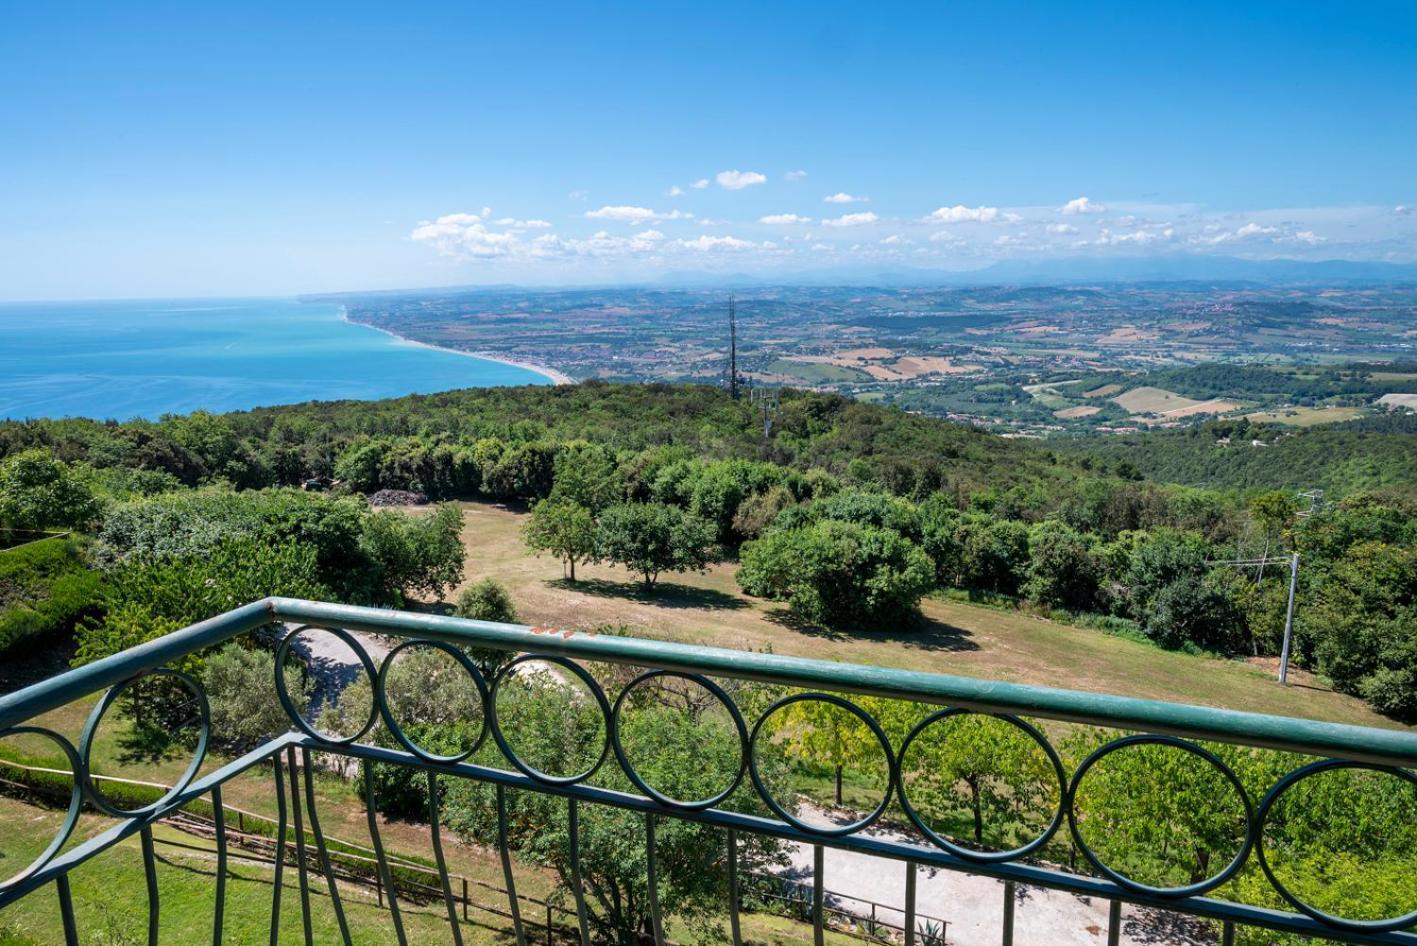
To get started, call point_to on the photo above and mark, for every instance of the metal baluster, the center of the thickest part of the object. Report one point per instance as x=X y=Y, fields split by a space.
x=581 y=918
x=819 y=919
x=1009 y=913
x=1114 y=923
x=438 y=856
x=909 y=903
x=66 y=910
x=280 y=851
x=301 y=868
x=508 y=877
x=651 y=865
x=219 y=909
x=1227 y=934
x=379 y=858
x=150 y=872
x=733 y=920
x=321 y=850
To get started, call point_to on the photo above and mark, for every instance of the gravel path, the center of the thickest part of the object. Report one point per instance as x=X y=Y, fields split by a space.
x=973 y=905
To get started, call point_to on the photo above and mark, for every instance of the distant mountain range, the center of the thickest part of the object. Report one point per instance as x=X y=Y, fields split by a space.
x=1155 y=269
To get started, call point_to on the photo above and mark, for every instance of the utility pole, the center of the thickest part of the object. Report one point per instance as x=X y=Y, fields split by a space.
x=1289 y=610
x=1289 y=619
x=732 y=349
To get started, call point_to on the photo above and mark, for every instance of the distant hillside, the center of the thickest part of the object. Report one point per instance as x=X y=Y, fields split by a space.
x=1375 y=452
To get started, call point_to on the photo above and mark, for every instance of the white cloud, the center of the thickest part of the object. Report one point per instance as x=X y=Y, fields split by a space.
x=1215 y=236
x=946 y=236
x=842 y=197
x=516 y=224
x=464 y=234
x=635 y=214
x=962 y=214
x=794 y=176
x=676 y=191
x=1062 y=228
x=784 y=218
x=578 y=195
x=821 y=247
x=895 y=239
x=737 y=180
x=1402 y=210
x=713 y=222
x=850 y=220
x=707 y=242
x=1081 y=205
x=1135 y=237
x=700 y=184
x=1309 y=237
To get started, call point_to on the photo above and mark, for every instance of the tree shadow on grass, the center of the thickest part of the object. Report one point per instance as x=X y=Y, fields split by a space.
x=922 y=633
x=664 y=595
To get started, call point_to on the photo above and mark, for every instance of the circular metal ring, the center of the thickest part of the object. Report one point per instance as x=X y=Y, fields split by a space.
x=349 y=640
x=76 y=802
x=86 y=740
x=985 y=857
x=634 y=776
x=791 y=819
x=584 y=676
x=381 y=698
x=1267 y=805
x=1188 y=890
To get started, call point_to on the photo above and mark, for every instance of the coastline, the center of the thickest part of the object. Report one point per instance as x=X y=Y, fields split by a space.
x=551 y=374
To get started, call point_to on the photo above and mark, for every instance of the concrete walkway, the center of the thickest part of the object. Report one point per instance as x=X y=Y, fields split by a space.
x=973 y=905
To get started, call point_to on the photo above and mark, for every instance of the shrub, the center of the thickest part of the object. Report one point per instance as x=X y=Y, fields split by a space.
x=45 y=591
x=487 y=600
x=38 y=491
x=240 y=683
x=839 y=572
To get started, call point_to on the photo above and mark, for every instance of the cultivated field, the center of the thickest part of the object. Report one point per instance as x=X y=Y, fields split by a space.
x=1148 y=400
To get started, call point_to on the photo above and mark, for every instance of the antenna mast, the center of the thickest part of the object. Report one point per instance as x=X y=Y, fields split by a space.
x=732 y=349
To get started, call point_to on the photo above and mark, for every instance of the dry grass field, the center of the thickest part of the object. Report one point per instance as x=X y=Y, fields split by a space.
x=954 y=637
x=1148 y=400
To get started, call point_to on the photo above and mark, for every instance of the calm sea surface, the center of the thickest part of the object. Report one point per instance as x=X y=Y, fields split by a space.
x=144 y=359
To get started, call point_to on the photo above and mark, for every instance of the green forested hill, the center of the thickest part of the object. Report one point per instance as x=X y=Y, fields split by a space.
x=1373 y=453
x=909 y=454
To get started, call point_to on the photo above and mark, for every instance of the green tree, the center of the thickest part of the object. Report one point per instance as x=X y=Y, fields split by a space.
x=38 y=491
x=993 y=553
x=1062 y=570
x=563 y=528
x=416 y=554
x=651 y=538
x=1197 y=609
x=586 y=476
x=1275 y=512
x=974 y=765
x=660 y=739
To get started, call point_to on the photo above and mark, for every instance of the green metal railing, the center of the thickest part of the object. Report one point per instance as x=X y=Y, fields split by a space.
x=1339 y=746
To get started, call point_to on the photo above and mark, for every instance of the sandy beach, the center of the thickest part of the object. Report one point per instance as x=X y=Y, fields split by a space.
x=556 y=377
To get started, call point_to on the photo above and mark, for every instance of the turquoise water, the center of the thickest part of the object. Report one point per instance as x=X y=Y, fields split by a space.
x=143 y=359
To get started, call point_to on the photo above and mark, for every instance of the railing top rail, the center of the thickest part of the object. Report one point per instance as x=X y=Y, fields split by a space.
x=1312 y=737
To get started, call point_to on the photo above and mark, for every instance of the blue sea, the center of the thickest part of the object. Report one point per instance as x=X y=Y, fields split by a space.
x=123 y=360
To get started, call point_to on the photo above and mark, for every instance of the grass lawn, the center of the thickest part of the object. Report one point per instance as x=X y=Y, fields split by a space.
x=954 y=637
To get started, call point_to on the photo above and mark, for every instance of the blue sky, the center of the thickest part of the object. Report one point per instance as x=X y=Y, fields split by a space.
x=205 y=149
